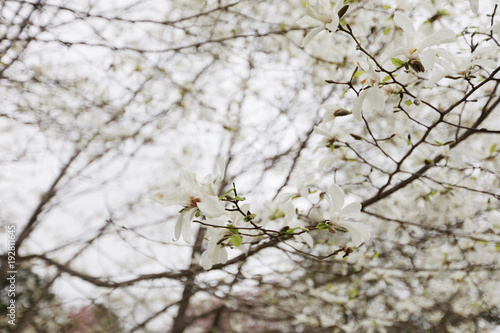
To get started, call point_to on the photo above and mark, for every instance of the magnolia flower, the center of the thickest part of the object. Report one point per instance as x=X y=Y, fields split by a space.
x=328 y=140
x=216 y=251
x=212 y=182
x=328 y=162
x=302 y=184
x=192 y=196
x=474 y=6
x=337 y=211
x=460 y=66
x=424 y=154
x=369 y=100
x=333 y=111
x=416 y=46
x=290 y=220
x=328 y=137
x=321 y=11
x=222 y=232
x=372 y=98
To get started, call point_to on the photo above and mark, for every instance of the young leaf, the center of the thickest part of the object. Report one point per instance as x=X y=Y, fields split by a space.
x=387 y=78
x=358 y=73
x=323 y=226
x=291 y=231
x=493 y=148
x=397 y=62
x=236 y=240
x=233 y=229
x=224 y=195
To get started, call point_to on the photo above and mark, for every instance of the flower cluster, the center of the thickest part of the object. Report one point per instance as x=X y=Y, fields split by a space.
x=321 y=11
x=194 y=197
x=414 y=50
x=235 y=226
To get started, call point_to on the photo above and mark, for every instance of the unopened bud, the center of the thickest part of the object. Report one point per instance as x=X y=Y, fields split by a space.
x=417 y=66
x=341 y=113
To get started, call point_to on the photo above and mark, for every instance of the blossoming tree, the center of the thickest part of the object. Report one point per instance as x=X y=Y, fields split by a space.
x=355 y=146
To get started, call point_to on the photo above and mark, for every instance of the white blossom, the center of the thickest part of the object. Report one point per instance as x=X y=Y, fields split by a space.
x=290 y=219
x=321 y=12
x=192 y=196
x=220 y=231
x=216 y=251
x=372 y=98
x=327 y=136
x=474 y=5
x=455 y=65
x=369 y=99
x=337 y=212
x=416 y=47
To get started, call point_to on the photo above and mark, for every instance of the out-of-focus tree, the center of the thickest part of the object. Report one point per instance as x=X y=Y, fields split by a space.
x=350 y=147
x=33 y=292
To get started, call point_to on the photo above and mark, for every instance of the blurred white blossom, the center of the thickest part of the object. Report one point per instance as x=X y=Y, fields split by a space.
x=290 y=220
x=192 y=196
x=456 y=65
x=321 y=11
x=337 y=212
x=416 y=47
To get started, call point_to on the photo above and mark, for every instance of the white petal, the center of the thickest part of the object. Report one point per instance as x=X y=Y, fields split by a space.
x=330 y=107
x=318 y=12
x=474 y=6
x=312 y=34
x=337 y=196
x=186 y=225
x=351 y=209
x=485 y=50
x=358 y=104
x=435 y=77
x=325 y=4
x=222 y=257
x=359 y=231
x=406 y=24
x=220 y=221
x=450 y=57
x=321 y=131
x=428 y=58
x=439 y=37
x=485 y=63
x=187 y=179
x=328 y=162
x=210 y=206
x=307 y=239
x=376 y=98
x=169 y=197
x=387 y=56
x=222 y=168
x=289 y=211
x=178 y=227
x=206 y=263
x=338 y=6
x=308 y=21
x=330 y=110
x=332 y=26
x=328 y=116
